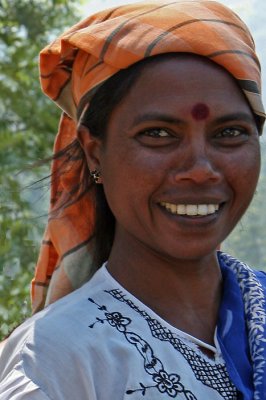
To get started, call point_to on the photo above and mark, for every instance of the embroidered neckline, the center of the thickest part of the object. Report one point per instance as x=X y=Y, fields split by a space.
x=253 y=297
x=169 y=383
x=190 y=340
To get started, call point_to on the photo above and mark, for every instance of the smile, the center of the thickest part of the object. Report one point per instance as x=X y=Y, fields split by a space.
x=190 y=209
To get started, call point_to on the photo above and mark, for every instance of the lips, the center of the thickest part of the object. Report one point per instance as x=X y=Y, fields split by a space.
x=190 y=209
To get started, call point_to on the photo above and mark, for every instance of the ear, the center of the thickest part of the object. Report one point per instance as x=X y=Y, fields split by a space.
x=91 y=147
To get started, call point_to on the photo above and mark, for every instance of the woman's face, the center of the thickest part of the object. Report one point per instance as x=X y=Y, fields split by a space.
x=181 y=158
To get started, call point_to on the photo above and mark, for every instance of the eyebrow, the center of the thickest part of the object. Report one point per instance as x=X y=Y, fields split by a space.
x=238 y=116
x=157 y=116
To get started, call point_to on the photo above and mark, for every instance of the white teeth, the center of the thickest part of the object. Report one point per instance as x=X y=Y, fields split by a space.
x=173 y=208
x=181 y=209
x=211 y=208
x=203 y=209
x=191 y=209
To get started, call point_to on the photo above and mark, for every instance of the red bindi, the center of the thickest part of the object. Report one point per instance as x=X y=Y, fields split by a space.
x=200 y=111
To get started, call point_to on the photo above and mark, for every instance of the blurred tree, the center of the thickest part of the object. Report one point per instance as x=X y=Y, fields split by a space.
x=28 y=126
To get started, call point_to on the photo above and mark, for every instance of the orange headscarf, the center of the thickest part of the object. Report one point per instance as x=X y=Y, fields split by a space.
x=88 y=54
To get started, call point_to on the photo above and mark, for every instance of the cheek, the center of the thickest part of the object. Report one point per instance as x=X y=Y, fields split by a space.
x=135 y=164
x=251 y=164
x=243 y=175
x=132 y=177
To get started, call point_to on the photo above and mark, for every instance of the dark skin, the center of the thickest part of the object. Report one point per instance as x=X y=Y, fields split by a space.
x=166 y=284
x=177 y=139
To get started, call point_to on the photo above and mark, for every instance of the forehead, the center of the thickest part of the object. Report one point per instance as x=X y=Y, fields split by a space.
x=178 y=84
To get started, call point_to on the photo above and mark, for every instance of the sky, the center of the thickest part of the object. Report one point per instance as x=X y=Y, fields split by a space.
x=92 y=6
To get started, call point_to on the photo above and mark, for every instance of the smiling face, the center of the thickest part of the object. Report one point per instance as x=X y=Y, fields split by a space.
x=181 y=158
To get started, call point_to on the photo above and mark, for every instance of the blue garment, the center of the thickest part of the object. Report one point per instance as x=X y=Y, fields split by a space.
x=241 y=328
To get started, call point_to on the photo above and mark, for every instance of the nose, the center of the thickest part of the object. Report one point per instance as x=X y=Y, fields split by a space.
x=197 y=164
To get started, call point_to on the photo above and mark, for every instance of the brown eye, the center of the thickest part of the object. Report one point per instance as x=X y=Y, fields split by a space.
x=232 y=133
x=156 y=133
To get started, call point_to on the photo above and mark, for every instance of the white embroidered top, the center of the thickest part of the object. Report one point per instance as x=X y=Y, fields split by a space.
x=101 y=343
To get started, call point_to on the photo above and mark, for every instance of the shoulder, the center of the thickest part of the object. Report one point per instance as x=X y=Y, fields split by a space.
x=52 y=341
x=17 y=385
x=261 y=276
x=245 y=274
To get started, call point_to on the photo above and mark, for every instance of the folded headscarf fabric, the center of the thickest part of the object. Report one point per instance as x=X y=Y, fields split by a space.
x=72 y=68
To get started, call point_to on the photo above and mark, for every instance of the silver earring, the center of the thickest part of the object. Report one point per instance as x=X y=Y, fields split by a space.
x=95 y=174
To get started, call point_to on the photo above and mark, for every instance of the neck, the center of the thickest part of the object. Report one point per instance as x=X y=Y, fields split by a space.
x=186 y=293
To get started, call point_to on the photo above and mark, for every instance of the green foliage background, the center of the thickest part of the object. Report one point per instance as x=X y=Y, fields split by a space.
x=27 y=130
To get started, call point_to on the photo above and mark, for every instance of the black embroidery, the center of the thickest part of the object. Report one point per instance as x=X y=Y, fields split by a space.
x=164 y=382
x=212 y=375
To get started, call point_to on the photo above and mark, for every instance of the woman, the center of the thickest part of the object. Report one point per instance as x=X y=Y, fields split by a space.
x=157 y=160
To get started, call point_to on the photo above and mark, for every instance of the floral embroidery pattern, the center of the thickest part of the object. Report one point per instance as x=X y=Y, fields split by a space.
x=254 y=304
x=164 y=382
x=115 y=319
x=168 y=383
x=213 y=375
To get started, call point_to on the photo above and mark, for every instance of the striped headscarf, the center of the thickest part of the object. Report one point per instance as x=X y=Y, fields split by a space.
x=75 y=64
